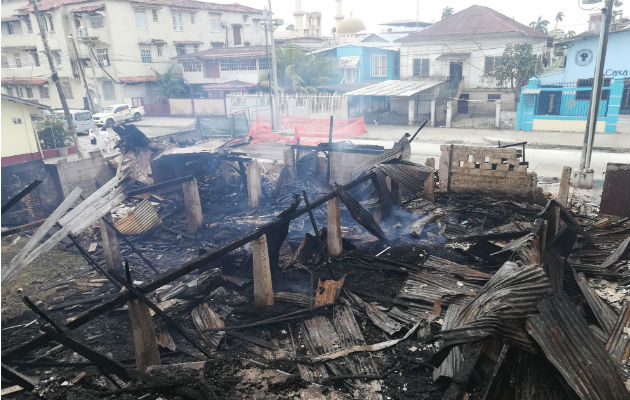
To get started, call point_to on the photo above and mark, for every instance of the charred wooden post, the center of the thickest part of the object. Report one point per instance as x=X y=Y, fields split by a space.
x=226 y=171
x=14 y=376
x=144 y=341
x=111 y=251
x=563 y=192
x=384 y=196
x=289 y=163
x=253 y=184
x=429 y=182
x=192 y=202
x=333 y=238
x=263 y=290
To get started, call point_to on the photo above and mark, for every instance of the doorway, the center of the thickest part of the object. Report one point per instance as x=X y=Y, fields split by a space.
x=236 y=30
x=462 y=103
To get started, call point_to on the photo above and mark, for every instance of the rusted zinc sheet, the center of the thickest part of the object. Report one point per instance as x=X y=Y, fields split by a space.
x=501 y=307
x=400 y=150
x=618 y=344
x=406 y=173
x=455 y=359
x=327 y=291
x=430 y=287
x=462 y=271
x=360 y=214
x=616 y=191
x=621 y=252
x=605 y=315
x=163 y=336
x=569 y=345
x=205 y=318
x=527 y=248
x=140 y=220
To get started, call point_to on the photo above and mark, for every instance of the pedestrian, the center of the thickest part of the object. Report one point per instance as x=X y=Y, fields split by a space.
x=103 y=140
x=92 y=134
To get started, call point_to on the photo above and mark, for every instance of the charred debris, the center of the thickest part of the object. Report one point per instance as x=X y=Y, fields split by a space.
x=343 y=272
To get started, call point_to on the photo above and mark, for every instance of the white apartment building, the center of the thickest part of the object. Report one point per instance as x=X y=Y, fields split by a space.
x=120 y=45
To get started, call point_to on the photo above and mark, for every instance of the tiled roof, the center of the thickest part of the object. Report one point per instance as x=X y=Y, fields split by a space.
x=406 y=22
x=227 y=52
x=474 y=20
x=138 y=79
x=192 y=4
x=88 y=8
x=24 y=81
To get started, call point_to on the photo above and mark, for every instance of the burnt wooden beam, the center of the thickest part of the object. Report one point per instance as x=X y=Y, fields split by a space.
x=161 y=185
x=16 y=377
x=23 y=228
x=15 y=199
x=131 y=246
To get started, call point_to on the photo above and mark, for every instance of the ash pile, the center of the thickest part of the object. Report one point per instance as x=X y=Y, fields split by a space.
x=343 y=272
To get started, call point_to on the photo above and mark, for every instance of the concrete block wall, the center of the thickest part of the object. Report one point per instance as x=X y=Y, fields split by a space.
x=84 y=173
x=484 y=170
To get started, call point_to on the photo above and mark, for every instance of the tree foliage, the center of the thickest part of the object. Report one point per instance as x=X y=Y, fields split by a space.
x=540 y=24
x=518 y=64
x=299 y=72
x=52 y=133
x=447 y=12
x=171 y=84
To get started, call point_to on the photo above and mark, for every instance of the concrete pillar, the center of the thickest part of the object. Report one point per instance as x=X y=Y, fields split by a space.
x=497 y=115
x=333 y=238
x=563 y=192
x=429 y=182
x=446 y=153
x=226 y=171
x=144 y=342
x=254 y=189
x=527 y=106
x=411 y=111
x=192 y=202
x=614 y=103
x=449 y=113
x=111 y=252
x=263 y=290
x=289 y=163
x=432 y=105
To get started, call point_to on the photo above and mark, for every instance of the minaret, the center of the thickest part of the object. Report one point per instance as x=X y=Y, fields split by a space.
x=339 y=16
x=299 y=18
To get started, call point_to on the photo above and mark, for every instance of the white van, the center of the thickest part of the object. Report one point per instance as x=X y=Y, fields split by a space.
x=83 y=121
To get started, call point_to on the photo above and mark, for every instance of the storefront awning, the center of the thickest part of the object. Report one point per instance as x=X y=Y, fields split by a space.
x=395 y=88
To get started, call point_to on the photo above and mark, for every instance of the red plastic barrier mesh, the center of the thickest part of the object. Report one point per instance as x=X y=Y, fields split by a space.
x=310 y=131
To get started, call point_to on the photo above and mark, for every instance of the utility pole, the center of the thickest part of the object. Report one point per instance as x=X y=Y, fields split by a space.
x=585 y=179
x=55 y=79
x=93 y=61
x=274 y=70
x=271 y=105
x=82 y=72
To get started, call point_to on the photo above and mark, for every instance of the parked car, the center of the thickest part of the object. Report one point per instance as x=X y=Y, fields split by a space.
x=83 y=121
x=118 y=113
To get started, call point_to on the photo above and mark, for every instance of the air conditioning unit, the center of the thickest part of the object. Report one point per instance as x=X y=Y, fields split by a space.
x=82 y=32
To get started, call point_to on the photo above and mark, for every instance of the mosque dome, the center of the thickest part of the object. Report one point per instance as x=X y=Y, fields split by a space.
x=349 y=26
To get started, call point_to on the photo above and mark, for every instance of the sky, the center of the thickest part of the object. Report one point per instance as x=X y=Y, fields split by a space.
x=374 y=12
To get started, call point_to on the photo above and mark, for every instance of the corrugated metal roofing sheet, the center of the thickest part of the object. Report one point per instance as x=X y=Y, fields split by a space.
x=395 y=88
x=140 y=220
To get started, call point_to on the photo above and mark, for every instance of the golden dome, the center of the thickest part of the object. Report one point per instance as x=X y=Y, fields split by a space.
x=349 y=26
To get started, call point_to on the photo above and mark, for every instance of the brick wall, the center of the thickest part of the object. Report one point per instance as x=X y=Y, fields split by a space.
x=484 y=170
x=84 y=173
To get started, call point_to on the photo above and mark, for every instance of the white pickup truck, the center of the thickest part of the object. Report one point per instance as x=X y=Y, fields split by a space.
x=112 y=115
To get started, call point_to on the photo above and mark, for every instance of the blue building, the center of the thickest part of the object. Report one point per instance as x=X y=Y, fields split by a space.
x=359 y=63
x=559 y=100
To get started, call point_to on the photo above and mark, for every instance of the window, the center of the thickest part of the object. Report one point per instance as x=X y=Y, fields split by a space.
x=9 y=90
x=195 y=48
x=67 y=90
x=263 y=63
x=549 y=102
x=236 y=32
x=154 y=12
x=96 y=20
x=160 y=51
x=192 y=66
x=238 y=64
x=108 y=90
x=18 y=60
x=145 y=55
x=491 y=64
x=29 y=24
x=379 y=66
x=35 y=58
x=17 y=121
x=215 y=23
x=177 y=21
x=192 y=17
x=20 y=92
x=588 y=83
x=421 y=67
x=49 y=20
x=102 y=56
x=57 y=57
x=141 y=18
x=83 y=116
x=180 y=49
x=43 y=92
x=493 y=97
x=350 y=75
x=29 y=92
x=10 y=29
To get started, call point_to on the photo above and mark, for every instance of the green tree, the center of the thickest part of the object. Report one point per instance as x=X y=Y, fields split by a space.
x=518 y=64
x=52 y=133
x=540 y=24
x=559 y=18
x=447 y=12
x=171 y=84
x=299 y=72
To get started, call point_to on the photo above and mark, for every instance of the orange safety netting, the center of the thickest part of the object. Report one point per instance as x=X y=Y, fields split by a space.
x=309 y=131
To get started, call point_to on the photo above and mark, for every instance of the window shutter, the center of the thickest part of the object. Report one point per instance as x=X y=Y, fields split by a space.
x=425 y=67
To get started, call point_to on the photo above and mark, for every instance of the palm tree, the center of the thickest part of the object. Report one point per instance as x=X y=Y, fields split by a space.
x=540 y=25
x=447 y=12
x=570 y=34
x=299 y=72
x=171 y=84
x=559 y=18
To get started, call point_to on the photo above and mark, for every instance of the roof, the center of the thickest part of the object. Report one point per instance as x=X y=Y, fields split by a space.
x=25 y=102
x=383 y=37
x=24 y=81
x=406 y=22
x=459 y=56
x=395 y=88
x=176 y=42
x=474 y=20
x=234 y=85
x=192 y=4
x=88 y=9
x=588 y=35
x=359 y=44
x=11 y=18
x=251 y=51
x=138 y=79
x=346 y=87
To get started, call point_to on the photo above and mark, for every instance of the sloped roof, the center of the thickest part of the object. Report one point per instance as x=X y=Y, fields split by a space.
x=395 y=88
x=193 y=4
x=26 y=102
x=474 y=20
x=24 y=81
x=226 y=52
x=406 y=22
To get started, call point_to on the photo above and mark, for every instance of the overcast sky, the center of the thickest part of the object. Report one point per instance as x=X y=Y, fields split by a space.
x=374 y=12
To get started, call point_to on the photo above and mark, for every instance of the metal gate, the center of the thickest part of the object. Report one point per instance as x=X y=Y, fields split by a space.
x=473 y=114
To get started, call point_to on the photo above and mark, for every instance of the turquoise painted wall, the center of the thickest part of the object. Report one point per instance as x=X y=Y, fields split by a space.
x=365 y=63
x=617 y=57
